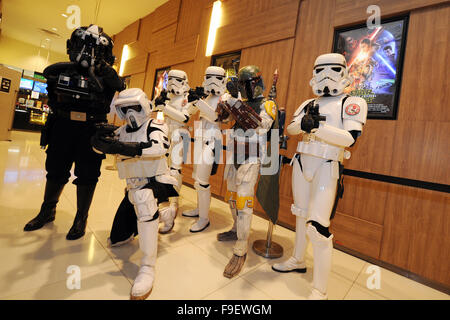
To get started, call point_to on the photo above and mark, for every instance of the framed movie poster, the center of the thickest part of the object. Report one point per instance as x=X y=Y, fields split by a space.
x=229 y=61
x=160 y=81
x=375 y=59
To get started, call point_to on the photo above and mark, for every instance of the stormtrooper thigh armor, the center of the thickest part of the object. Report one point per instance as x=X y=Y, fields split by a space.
x=146 y=208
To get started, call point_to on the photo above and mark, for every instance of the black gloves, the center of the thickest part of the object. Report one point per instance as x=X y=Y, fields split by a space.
x=309 y=123
x=161 y=99
x=197 y=94
x=311 y=118
x=104 y=141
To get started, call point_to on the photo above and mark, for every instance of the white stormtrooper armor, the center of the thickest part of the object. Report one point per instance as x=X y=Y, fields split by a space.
x=143 y=175
x=214 y=85
x=177 y=112
x=316 y=167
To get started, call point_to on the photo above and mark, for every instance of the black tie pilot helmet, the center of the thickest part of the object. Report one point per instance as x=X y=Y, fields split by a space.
x=89 y=46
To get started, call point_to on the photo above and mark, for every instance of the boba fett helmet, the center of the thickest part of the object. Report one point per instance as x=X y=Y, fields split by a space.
x=250 y=82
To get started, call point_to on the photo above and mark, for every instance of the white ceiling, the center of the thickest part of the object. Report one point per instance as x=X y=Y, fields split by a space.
x=22 y=19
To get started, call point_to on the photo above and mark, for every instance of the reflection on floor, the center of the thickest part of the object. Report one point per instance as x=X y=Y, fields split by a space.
x=36 y=265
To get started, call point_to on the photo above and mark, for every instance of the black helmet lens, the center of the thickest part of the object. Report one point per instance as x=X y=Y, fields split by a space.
x=137 y=108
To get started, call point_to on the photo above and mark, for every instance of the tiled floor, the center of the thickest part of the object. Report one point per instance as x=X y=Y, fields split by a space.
x=34 y=265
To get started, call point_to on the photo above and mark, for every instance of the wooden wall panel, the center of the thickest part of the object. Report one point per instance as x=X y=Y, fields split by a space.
x=137 y=80
x=357 y=234
x=135 y=65
x=191 y=12
x=416 y=231
x=163 y=38
x=422 y=151
x=271 y=25
x=364 y=199
x=429 y=254
x=166 y=14
x=271 y=56
x=129 y=34
x=146 y=31
x=350 y=11
x=373 y=149
x=425 y=86
x=179 y=52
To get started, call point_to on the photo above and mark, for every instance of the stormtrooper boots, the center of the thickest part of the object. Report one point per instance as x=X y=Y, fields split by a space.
x=148 y=243
x=168 y=215
x=204 y=201
x=296 y=263
x=323 y=250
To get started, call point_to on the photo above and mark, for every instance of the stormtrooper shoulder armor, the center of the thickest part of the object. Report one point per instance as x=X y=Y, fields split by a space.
x=354 y=113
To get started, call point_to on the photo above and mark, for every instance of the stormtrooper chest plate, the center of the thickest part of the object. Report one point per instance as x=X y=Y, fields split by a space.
x=139 y=167
x=331 y=107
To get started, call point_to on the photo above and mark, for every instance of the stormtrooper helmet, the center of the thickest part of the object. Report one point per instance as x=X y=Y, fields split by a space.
x=330 y=75
x=215 y=81
x=90 y=45
x=177 y=83
x=133 y=106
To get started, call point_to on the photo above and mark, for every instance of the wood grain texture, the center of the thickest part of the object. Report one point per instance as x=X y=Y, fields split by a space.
x=135 y=65
x=425 y=91
x=267 y=26
x=163 y=38
x=373 y=149
x=350 y=11
x=129 y=34
x=166 y=14
x=137 y=80
x=416 y=232
x=179 y=52
x=146 y=31
x=188 y=24
x=429 y=253
x=422 y=151
x=264 y=27
x=364 y=199
x=357 y=234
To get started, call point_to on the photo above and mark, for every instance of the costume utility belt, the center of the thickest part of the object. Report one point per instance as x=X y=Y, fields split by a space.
x=322 y=150
x=80 y=116
x=141 y=167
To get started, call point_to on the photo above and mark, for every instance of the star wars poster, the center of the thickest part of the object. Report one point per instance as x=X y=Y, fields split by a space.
x=160 y=83
x=374 y=58
x=230 y=62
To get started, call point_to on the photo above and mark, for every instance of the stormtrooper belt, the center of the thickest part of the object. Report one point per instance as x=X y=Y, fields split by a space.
x=80 y=116
x=321 y=150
